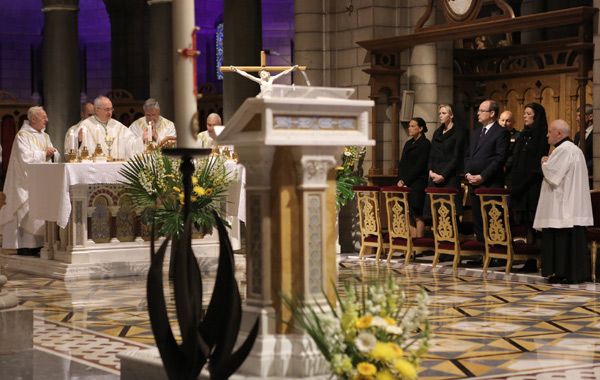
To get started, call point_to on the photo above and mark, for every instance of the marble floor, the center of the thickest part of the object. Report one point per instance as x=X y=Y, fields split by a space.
x=486 y=327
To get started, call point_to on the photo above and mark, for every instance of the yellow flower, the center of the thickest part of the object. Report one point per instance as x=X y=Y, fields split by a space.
x=364 y=322
x=181 y=198
x=199 y=190
x=366 y=369
x=339 y=168
x=383 y=352
x=176 y=189
x=384 y=375
x=194 y=198
x=390 y=321
x=194 y=181
x=209 y=192
x=406 y=369
x=398 y=352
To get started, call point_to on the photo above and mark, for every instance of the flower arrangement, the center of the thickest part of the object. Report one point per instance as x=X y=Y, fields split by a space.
x=154 y=183
x=372 y=334
x=349 y=174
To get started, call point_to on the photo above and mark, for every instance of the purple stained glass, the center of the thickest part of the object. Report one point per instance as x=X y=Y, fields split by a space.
x=219 y=48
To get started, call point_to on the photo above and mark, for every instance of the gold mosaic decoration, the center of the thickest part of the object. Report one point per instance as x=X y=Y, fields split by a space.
x=496 y=228
x=444 y=225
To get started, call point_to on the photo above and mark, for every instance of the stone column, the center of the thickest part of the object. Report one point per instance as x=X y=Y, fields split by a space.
x=596 y=101
x=161 y=55
x=531 y=7
x=183 y=73
x=61 y=66
x=130 y=48
x=242 y=43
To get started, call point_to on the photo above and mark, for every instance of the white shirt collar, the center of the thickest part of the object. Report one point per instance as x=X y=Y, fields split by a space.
x=588 y=130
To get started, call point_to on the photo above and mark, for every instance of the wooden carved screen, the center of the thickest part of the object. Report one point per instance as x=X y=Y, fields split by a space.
x=544 y=73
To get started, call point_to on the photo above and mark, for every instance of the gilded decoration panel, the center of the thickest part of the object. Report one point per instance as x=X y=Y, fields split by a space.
x=290 y=122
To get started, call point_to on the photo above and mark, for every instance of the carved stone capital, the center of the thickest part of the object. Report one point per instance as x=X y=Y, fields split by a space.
x=312 y=170
x=258 y=162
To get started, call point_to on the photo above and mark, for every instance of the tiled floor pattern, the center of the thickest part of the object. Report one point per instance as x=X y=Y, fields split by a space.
x=496 y=327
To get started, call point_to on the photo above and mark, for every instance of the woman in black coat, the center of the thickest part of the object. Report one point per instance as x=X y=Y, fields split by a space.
x=447 y=151
x=526 y=173
x=412 y=171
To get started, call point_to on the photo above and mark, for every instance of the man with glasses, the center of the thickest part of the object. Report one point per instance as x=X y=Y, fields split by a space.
x=101 y=127
x=485 y=157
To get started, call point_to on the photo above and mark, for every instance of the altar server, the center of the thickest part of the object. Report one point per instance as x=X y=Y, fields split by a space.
x=564 y=209
x=102 y=128
x=161 y=129
x=87 y=110
x=31 y=145
x=208 y=138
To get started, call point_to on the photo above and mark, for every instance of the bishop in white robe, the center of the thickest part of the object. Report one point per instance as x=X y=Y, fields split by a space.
x=31 y=145
x=161 y=130
x=564 y=209
x=208 y=138
x=102 y=128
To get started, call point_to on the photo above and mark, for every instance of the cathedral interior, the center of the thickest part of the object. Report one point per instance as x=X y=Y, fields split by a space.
x=408 y=57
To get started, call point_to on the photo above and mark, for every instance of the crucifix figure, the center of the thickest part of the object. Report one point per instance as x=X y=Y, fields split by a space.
x=264 y=79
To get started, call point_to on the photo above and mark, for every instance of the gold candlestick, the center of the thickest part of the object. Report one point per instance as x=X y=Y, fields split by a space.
x=85 y=154
x=72 y=156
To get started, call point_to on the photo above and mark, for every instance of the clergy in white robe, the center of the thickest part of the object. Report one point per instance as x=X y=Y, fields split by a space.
x=564 y=209
x=102 y=128
x=207 y=138
x=72 y=138
x=31 y=145
x=162 y=130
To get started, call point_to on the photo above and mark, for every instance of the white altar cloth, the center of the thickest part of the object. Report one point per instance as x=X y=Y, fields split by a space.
x=49 y=184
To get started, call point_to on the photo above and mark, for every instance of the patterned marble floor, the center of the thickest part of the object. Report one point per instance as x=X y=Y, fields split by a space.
x=487 y=327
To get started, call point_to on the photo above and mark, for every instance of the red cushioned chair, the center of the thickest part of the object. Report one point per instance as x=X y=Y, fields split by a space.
x=499 y=241
x=369 y=214
x=593 y=233
x=398 y=219
x=445 y=227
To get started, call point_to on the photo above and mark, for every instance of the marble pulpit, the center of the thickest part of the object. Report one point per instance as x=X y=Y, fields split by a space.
x=290 y=142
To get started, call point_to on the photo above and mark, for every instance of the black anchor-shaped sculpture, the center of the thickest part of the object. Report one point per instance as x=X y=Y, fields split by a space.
x=209 y=338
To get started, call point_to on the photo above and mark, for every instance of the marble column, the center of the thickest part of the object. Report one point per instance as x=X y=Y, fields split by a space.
x=309 y=45
x=242 y=43
x=61 y=66
x=161 y=55
x=183 y=73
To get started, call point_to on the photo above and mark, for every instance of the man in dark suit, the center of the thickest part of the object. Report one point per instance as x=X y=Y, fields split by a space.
x=485 y=157
x=589 y=135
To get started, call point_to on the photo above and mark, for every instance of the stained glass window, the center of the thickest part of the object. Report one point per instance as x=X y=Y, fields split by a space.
x=219 y=42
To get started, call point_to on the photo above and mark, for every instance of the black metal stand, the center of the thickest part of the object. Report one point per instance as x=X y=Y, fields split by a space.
x=205 y=338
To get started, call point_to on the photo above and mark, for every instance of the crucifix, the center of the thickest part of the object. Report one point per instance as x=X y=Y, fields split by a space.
x=264 y=79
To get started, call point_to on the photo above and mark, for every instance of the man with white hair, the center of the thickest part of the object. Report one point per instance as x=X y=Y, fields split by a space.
x=31 y=145
x=101 y=127
x=208 y=137
x=564 y=209
x=163 y=130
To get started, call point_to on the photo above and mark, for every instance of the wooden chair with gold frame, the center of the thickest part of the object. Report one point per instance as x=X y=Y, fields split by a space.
x=398 y=219
x=593 y=232
x=499 y=242
x=445 y=227
x=369 y=214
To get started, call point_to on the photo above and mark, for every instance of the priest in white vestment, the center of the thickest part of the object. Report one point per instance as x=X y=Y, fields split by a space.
x=71 y=137
x=162 y=130
x=207 y=138
x=31 y=145
x=101 y=127
x=564 y=209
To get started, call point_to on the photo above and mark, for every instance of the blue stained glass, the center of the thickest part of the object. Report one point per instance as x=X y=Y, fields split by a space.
x=219 y=43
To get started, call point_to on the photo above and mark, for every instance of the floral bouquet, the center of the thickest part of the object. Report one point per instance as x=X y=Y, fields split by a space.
x=372 y=334
x=349 y=174
x=154 y=183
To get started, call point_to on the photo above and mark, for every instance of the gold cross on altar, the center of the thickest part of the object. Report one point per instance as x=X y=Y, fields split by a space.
x=263 y=66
